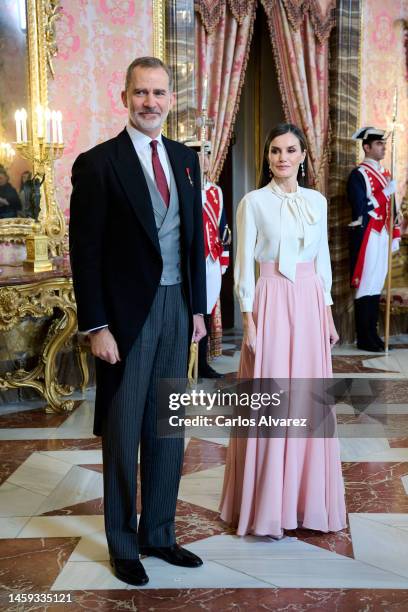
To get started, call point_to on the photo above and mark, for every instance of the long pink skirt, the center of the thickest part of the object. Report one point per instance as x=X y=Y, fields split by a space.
x=271 y=484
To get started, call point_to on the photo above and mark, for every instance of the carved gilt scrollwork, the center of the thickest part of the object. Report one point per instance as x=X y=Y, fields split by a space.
x=52 y=12
x=37 y=300
x=159 y=38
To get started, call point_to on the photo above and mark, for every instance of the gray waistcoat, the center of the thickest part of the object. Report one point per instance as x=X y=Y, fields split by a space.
x=168 y=229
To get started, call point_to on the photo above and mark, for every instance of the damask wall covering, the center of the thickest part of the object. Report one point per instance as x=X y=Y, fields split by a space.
x=383 y=66
x=96 y=39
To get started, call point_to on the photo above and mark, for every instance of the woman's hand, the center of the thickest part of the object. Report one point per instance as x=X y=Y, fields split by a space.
x=334 y=336
x=249 y=331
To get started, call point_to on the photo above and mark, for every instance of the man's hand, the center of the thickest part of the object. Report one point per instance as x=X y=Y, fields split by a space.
x=199 y=330
x=103 y=345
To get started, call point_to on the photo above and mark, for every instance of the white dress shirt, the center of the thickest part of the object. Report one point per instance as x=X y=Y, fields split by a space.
x=288 y=228
x=141 y=142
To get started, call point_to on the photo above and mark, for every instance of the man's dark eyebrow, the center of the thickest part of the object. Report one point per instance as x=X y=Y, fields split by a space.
x=144 y=90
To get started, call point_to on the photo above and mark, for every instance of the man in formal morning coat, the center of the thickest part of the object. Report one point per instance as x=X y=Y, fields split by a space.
x=137 y=256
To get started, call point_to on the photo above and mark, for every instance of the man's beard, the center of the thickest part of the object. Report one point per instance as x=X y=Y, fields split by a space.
x=148 y=124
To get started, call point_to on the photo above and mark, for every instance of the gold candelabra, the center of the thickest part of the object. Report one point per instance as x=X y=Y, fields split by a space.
x=45 y=146
x=42 y=154
x=47 y=143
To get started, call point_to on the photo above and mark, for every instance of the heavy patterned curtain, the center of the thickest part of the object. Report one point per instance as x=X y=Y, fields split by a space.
x=223 y=39
x=299 y=33
x=344 y=118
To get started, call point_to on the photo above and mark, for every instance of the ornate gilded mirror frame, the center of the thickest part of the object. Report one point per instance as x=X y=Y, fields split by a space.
x=159 y=29
x=41 y=43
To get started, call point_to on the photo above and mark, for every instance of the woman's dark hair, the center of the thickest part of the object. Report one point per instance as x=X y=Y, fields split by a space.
x=279 y=130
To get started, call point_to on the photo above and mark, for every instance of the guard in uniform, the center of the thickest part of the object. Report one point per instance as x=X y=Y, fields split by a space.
x=369 y=190
x=216 y=241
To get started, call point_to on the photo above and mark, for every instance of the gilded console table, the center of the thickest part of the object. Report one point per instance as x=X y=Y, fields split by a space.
x=25 y=294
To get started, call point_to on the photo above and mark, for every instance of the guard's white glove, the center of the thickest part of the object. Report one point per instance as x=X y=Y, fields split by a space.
x=395 y=245
x=390 y=188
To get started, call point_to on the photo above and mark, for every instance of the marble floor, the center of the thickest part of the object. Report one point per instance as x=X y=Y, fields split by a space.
x=52 y=537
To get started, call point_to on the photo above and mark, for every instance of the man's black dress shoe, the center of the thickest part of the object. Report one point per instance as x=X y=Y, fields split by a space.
x=373 y=348
x=209 y=372
x=380 y=343
x=175 y=554
x=130 y=571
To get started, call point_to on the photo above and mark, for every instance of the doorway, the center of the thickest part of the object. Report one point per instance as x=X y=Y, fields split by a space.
x=259 y=110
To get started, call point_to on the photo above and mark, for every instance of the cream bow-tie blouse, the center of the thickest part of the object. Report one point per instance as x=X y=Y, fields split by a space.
x=288 y=228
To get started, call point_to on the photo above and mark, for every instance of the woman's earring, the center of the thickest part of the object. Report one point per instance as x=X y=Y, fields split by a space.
x=270 y=172
x=302 y=168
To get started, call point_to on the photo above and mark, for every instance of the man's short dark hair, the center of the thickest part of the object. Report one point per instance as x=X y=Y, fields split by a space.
x=148 y=62
x=370 y=139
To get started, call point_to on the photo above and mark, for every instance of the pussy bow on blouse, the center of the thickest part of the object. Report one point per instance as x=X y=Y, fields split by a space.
x=298 y=216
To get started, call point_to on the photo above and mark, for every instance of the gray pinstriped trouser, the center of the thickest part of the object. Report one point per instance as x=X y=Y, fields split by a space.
x=160 y=351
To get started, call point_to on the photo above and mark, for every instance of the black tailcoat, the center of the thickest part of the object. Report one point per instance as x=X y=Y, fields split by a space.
x=114 y=246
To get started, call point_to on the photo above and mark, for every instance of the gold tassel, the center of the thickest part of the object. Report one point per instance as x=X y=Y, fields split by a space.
x=193 y=364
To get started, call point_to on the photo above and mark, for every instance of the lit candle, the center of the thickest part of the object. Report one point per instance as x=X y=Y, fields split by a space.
x=24 y=124
x=47 y=125
x=17 y=116
x=54 y=126
x=40 y=121
x=59 y=127
x=11 y=153
x=204 y=103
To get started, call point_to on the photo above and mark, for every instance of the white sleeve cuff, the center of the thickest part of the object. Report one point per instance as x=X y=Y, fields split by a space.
x=88 y=331
x=328 y=298
x=374 y=201
x=246 y=304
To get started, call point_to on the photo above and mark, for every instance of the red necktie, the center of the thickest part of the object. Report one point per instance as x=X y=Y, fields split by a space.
x=161 y=181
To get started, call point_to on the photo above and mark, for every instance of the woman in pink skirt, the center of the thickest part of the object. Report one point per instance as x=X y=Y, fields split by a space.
x=272 y=484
